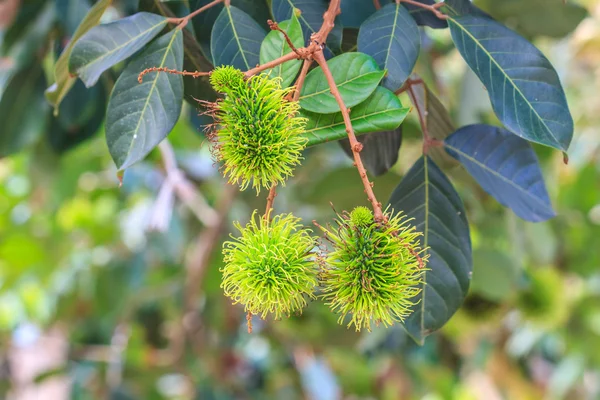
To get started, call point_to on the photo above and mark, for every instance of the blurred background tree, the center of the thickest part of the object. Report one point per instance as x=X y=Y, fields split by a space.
x=111 y=290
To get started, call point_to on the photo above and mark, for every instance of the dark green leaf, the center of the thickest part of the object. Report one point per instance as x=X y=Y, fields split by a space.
x=439 y=123
x=380 y=150
x=70 y=13
x=311 y=19
x=63 y=81
x=140 y=116
x=524 y=88
x=203 y=22
x=81 y=114
x=105 y=45
x=356 y=75
x=505 y=166
x=275 y=46
x=393 y=39
x=427 y=195
x=382 y=111
x=23 y=110
x=236 y=39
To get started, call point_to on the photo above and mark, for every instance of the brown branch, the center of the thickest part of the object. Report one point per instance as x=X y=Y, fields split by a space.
x=182 y=22
x=355 y=145
x=377 y=4
x=276 y=62
x=194 y=74
x=301 y=78
x=270 y=200
x=275 y=27
x=434 y=8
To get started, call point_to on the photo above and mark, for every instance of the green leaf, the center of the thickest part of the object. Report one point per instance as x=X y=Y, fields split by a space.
x=63 y=81
x=380 y=150
x=427 y=195
x=356 y=75
x=140 y=116
x=236 y=39
x=81 y=114
x=106 y=45
x=391 y=36
x=382 y=111
x=439 y=123
x=275 y=46
x=524 y=88
x=23 y=110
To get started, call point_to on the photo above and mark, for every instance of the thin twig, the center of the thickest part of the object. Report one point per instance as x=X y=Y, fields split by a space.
x=274 y=63
x=434 y=8
x=182 y=22
x=377 y=4
x=301 y=78
x=270 y=200
x=193 y=74
x=184 y=189
x=355 y=145
x=275 y=27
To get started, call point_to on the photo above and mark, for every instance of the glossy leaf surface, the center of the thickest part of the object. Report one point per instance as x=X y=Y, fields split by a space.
x=427 y=195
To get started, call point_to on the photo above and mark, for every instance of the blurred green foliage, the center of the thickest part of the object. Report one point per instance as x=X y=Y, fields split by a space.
x=82 y=255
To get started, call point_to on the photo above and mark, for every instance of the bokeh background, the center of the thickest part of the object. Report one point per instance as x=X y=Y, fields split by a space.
x=112 y=291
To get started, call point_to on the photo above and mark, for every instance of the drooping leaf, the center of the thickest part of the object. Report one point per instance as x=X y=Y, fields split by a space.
x=524 y=88
x=63 y=81
x=356 y=75
x=204 y=22
x=81 y=114
x=311 y=19
x=105 y=45
x=380 y=150
x=505 y=166
x=236 y=39
x=140 y=116
x=382 y=111
x=393 y=39
x=438 y=122
x=427 y=195
x=23 y=110
x=275 y=46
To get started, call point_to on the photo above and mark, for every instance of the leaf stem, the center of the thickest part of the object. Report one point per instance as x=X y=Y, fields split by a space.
x=428 y=141
x=434 y=8
x=182 y=22
x=270 y=200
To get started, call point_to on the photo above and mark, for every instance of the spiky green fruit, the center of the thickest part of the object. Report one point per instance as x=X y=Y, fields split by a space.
x=374 y=270
x=270 y=267
x=259 y=137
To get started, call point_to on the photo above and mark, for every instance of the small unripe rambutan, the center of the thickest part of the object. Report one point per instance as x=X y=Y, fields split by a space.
x=271 y=267
x=258 y=134
x=374 y=270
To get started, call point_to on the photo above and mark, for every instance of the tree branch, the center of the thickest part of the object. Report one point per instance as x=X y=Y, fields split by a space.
x=355 y=145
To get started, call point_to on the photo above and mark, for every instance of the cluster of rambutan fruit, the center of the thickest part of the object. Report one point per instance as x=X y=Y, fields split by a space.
x=373 y=270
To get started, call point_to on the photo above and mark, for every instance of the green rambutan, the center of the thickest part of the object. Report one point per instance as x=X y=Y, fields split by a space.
x=374 y=270
x=271 y=267
x=258 y=134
